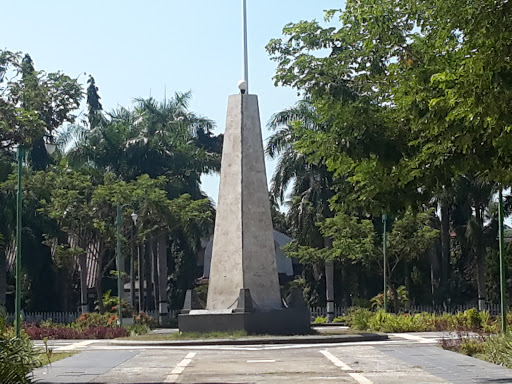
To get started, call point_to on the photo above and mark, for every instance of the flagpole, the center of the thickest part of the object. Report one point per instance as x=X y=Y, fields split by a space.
x=246 y=59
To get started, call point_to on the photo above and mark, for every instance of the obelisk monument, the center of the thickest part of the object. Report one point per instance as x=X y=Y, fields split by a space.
x=244 y=291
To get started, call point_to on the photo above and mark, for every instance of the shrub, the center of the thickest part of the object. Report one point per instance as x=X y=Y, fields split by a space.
x=466 y=344
x=320 y=320
x=110 y=304
x=144 y=319
x=138 y=329
x=472 y=318
x=35 y=332
x=340 y=319
x=498 y=350
x=468 y=321
x=18 y=357
x=96 y=320
x=402 y=298
x=359 y=318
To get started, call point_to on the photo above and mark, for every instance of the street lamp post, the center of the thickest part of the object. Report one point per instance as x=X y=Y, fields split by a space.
x=119 y=268
x=502 y=263
x=385 y=263
x=134 y=217
x=17 y=304
x=119 y=260
x=50 y=148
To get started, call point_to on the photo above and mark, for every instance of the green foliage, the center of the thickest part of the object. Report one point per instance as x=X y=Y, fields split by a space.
x=94 y=319
x=359 y=318
x=353 y=239
x=320 y=320
x=402 y=298
x=411 y=98
x=18 y=357
x=380 y=321
x=110 y=304
x=144 y=319
x=138 y=329
x=498 y=349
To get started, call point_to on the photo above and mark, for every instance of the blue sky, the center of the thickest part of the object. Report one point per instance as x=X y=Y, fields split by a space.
x=133 y=48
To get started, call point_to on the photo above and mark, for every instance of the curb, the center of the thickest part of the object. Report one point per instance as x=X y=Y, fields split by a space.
x=256 y=341
x=320 y=325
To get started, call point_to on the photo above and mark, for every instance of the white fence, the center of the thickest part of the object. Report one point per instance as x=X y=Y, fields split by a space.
x=68 y=317
x=56 y=317
x=494 y=309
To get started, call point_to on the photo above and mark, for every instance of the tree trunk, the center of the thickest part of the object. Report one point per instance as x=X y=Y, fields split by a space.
x=99 y=290
x=82 y=263
x=162 y=281
x=132 y=270
x=147 y=272
x=432 y=285
x=345 y=286
x=407 y=274
x=480 y=264
x=155 y=280
x=3 y=277
x=445 y=247
x=329 y=283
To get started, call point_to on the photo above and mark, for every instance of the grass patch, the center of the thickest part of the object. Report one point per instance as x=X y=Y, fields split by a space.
x=188 y=336
x=495 y=349
x=228 y=335
x=50 y=358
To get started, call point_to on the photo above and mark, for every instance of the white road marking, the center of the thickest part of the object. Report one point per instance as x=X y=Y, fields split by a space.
x=178 y=370
x=100 y=345
x=337 y=362
x=420 y=339
x=75 y=345
x=261 y=361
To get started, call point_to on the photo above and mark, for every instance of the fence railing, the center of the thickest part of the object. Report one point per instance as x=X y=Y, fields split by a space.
x=56 y=317
x=493 y=309
x=69 y=317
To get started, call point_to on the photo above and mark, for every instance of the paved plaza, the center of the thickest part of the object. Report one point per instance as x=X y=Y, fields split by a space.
x=405 y=358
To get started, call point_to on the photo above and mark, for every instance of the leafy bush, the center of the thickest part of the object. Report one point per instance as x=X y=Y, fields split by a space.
x=340 y=319
x=359 y=318
x=472 y=318
x=380 y=321
x=36 y=332
x=466 y=344
x=498 y=350
x=320 y=320
x=402 y=298
x=144 y=319
x=138 y=329
x=96 y=320
x=110 y=304
x=18 y=357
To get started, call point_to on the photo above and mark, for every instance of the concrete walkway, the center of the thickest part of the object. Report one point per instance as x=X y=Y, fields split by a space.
x=404 y=358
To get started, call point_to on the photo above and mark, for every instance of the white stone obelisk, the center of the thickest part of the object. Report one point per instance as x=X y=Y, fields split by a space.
x=243 y=255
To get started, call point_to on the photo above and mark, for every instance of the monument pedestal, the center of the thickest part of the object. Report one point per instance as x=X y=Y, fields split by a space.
x=286 y=321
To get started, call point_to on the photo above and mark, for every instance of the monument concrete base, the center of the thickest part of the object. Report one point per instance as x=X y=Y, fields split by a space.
x=286 y=321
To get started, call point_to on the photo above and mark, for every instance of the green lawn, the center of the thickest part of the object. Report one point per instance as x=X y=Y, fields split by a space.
x=226 y=335
x=55 y=356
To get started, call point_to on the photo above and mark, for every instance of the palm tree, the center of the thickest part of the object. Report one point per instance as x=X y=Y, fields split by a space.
x=311 y=182
x=157 y=139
